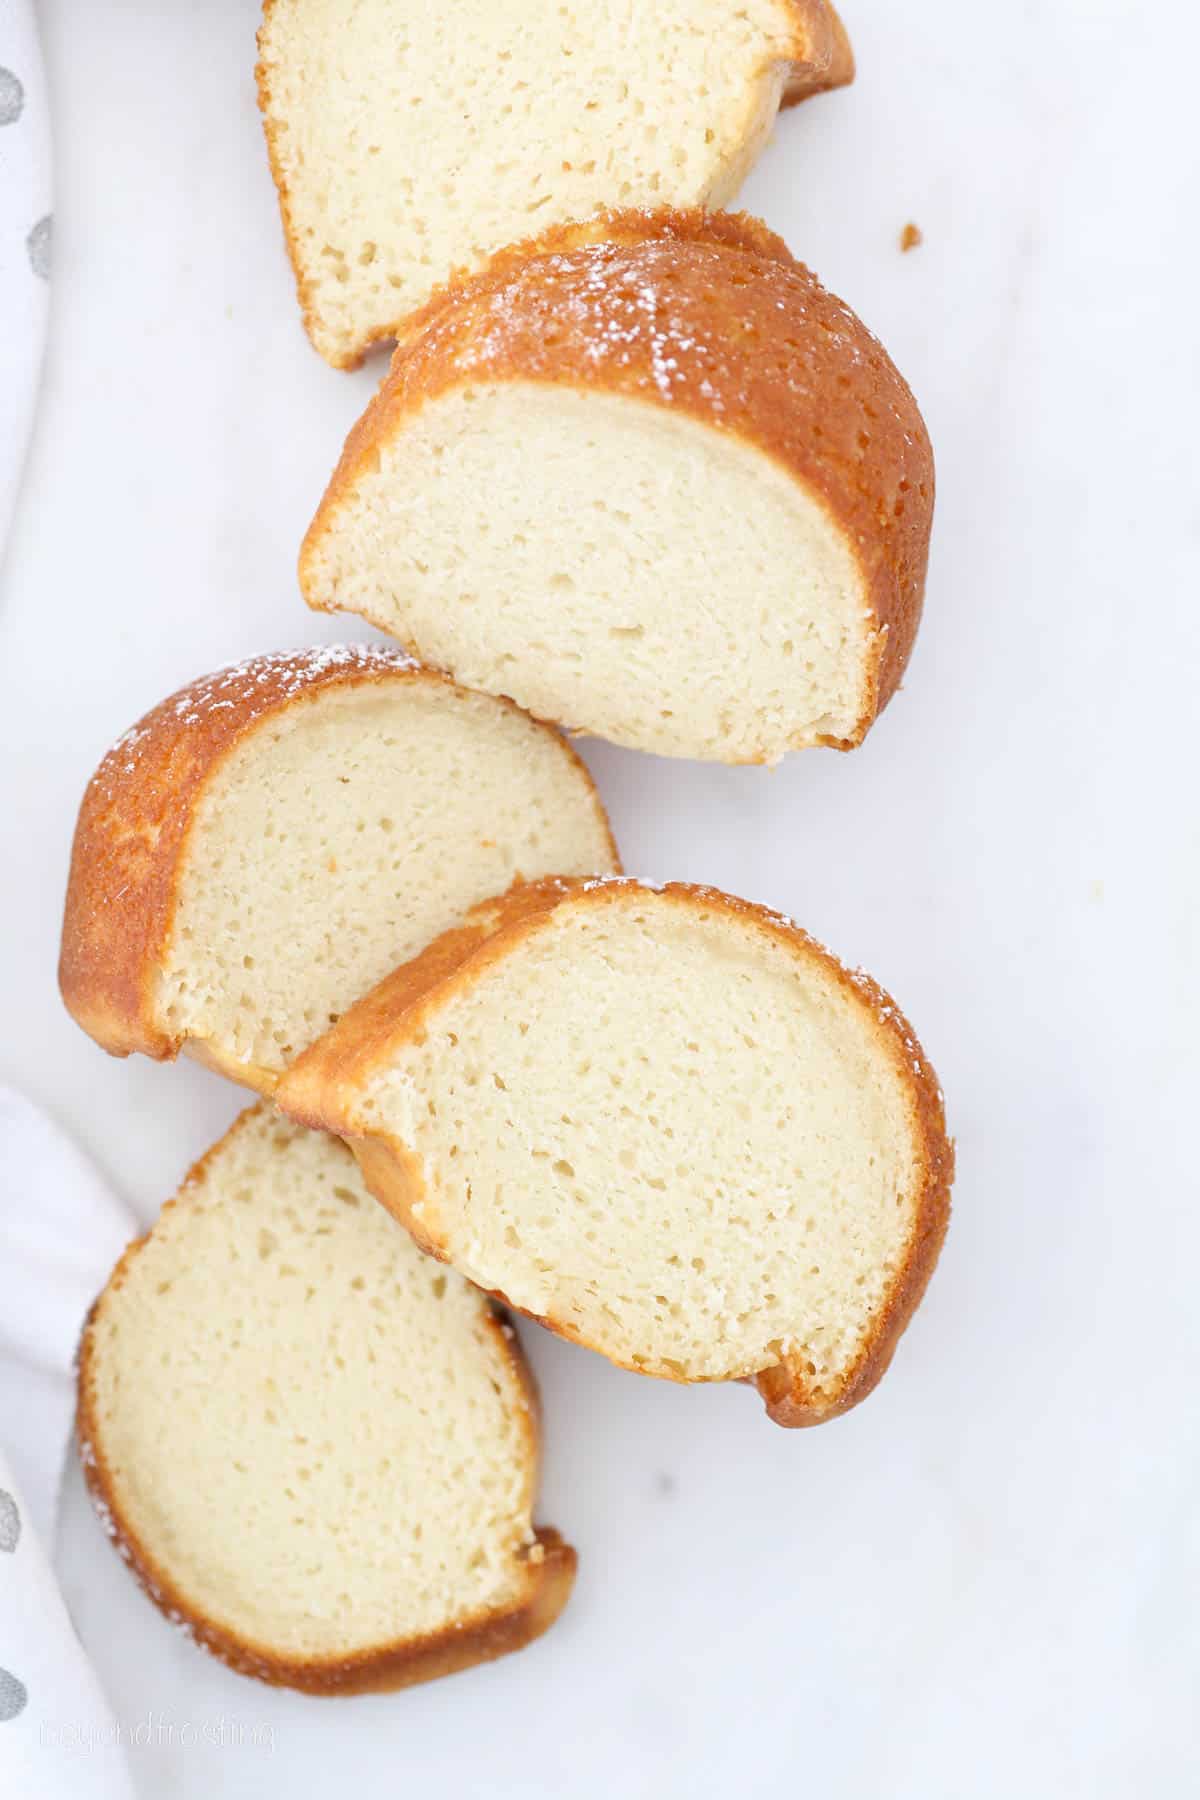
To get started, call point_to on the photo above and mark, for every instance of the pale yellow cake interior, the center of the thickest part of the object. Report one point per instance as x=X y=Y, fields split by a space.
x=414 y=140
x=669 y=1131
x=307 y=1424
x=339 y=837
x=621 y=567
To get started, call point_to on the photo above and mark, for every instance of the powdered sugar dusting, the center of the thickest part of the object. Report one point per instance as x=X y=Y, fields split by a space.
x=126 y=745
x=621 y=303
x=618 y=300
x=635 y=881
x=286 y=672
x=722 y=327
x=886 y=1009
x=676 y=318
x=258 y=682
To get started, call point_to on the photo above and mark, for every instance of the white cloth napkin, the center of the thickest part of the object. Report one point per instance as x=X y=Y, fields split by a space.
x=58 y=1738
x=61 y=1230
x=25 y=233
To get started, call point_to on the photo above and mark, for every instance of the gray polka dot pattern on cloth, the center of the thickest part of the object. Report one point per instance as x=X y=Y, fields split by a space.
x=10 y=1522
x=40 y=238
x=13 y=1693
x=13 y=1696
x=12 y=98
x=39 y=244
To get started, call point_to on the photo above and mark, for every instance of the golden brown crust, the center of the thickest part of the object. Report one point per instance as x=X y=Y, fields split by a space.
x=829 y=60
x=550 y=1563
x=820 y=59
x=323 y=1087
x=790 y=1399
x=709 y=314
x=133 y=829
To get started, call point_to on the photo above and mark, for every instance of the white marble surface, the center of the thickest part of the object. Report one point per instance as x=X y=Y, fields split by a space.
x=984 y=1582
